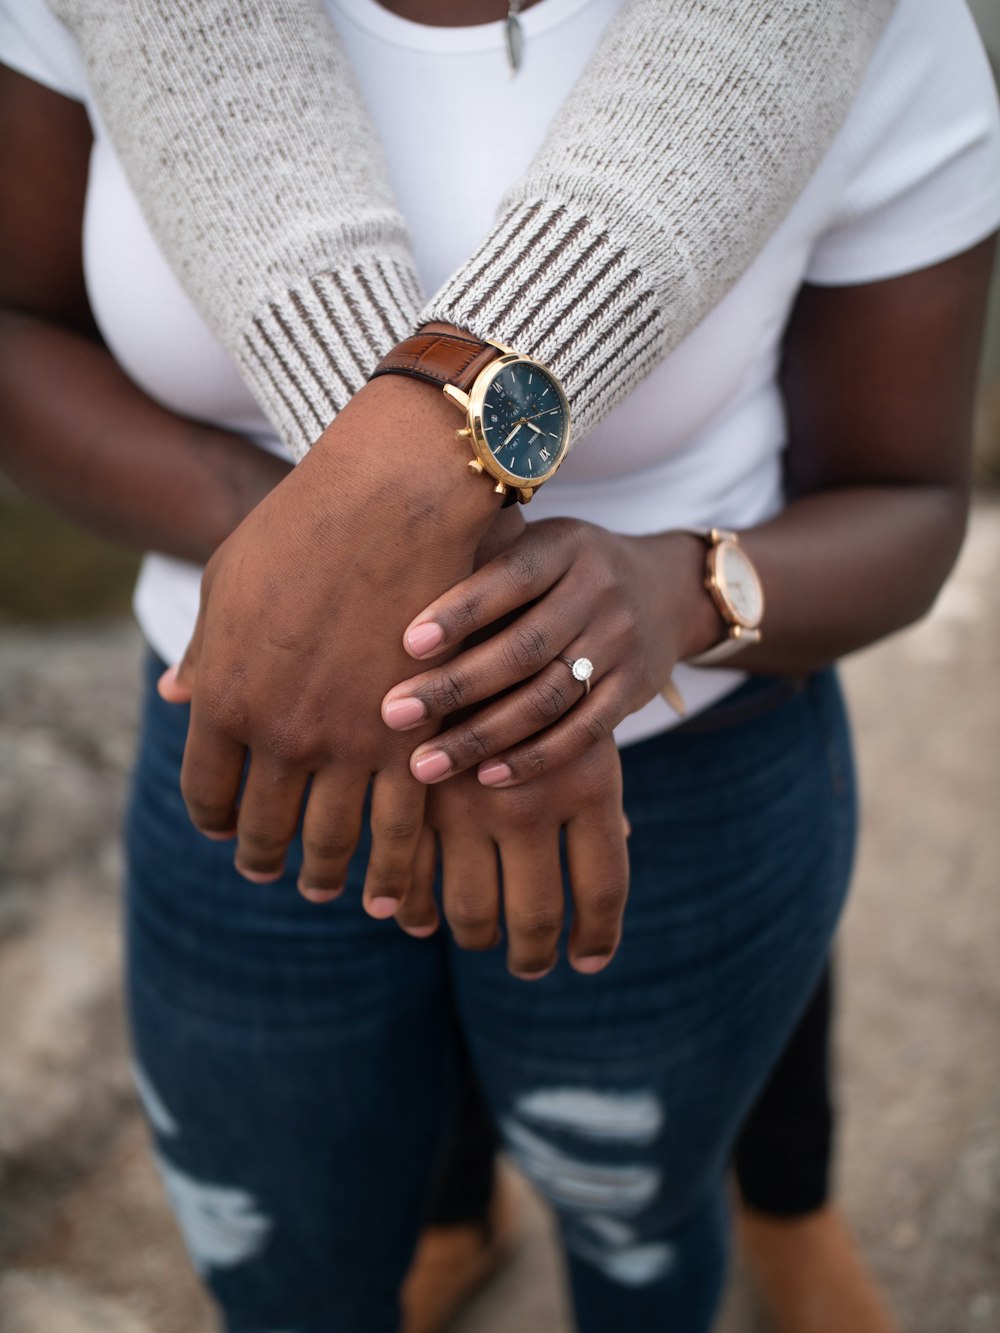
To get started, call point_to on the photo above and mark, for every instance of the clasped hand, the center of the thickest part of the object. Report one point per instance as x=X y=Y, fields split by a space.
x=300 y=635
x=565 y=589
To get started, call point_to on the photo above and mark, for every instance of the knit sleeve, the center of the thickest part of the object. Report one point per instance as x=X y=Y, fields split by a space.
x=245 y=138
x=683 y=145
x=246 y=141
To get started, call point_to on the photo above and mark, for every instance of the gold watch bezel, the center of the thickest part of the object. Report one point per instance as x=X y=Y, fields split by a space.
x=473 y=404
x=716 y=583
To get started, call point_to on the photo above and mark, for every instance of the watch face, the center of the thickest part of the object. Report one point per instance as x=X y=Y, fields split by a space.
x=739 y=585
x=525 y=421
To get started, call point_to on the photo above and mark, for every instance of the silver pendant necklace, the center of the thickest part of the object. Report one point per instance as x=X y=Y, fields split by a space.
x=515 y=36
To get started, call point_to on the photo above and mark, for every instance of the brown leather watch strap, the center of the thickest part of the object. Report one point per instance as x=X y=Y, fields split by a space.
x=439 y=358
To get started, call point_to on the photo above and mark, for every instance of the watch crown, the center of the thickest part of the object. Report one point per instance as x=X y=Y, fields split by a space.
x=475 y=465
x=500 y=488
x=464 y=434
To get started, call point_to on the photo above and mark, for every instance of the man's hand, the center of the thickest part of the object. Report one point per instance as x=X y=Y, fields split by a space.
x=523 y=824
x=300 y=634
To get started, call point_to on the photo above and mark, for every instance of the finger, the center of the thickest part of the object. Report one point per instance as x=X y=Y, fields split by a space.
x=417 y=913
x=397 y=818
x=470 y=889
x=585 y=725
x=171 y=690
x=512 y=655
x=210 y=778
x=533 y=900
x=598 y=873
x=267 y=820
x=176 y=685
x=538 y=704
x=181 y=683
x=330 y=832
x=518 y=575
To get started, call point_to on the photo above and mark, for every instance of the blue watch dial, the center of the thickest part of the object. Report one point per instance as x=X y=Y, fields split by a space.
x=524 y=421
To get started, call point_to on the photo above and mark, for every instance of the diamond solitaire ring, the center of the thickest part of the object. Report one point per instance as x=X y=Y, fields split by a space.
x=582 y=669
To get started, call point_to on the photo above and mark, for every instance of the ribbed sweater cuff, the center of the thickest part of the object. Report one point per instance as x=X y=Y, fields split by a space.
x=550 y=282
x=311 y=349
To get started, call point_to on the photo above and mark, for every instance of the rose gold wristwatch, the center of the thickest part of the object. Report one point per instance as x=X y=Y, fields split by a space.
x=734 y=586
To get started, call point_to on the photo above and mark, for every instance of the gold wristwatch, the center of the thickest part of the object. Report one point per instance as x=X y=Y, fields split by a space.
x=734 y=586
x=517 y=416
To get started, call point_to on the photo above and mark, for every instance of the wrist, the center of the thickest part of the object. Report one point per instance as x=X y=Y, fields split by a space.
x=238 y=475
x=396 y=438
x=504 y=531
x=685 y=605
x=516 y=416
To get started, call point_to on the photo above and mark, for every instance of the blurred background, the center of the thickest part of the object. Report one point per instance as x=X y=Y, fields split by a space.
x=86 y=1242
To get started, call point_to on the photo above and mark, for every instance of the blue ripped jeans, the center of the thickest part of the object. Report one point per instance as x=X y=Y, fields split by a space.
x=297 y=1063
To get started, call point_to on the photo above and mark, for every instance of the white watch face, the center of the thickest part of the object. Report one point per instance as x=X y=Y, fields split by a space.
x=739 y=585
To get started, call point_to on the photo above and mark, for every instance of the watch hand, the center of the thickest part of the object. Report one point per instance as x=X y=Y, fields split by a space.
x=512 y=434
x=537 y=429
x=543 y=414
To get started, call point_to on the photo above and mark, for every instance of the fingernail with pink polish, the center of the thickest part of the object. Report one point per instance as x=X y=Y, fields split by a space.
x=431 y=766
x=491 y=775
x=423 y=639
x=402 y=713
x=167 y=681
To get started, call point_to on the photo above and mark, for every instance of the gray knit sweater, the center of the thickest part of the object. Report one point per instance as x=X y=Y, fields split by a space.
x=244 y=135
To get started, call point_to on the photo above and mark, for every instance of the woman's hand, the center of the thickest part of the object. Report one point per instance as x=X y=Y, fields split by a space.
x=473 y=823
x=634 y=605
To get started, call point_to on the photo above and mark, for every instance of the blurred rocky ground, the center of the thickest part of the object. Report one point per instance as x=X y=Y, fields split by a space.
x=86 y=1243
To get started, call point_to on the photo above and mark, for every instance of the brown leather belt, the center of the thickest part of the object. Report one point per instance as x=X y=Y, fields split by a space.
x=760 y=695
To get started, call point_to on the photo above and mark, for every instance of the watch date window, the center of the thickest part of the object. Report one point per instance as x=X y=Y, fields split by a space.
x=741 y=585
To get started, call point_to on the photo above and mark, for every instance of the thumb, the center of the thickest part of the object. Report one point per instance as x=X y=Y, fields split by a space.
x=176 y=685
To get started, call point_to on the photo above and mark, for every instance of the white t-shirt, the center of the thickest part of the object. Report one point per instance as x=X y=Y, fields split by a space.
x=912 y=178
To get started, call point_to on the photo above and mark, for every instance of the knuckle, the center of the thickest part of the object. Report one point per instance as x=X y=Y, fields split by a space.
x=284 y=744
x=224 y=712
x=203 y=808
x=447 y=690
x=571 y=532
x=530 y=645
x=624 y=628
x=465 y=612
x=468 y=911
x=605 y=902
x=398 y=830
x=536 y=925
x=331 y=846
x=546 y=701
x=591 y=729
x=474 y=744
x=392 y=881
x=523 y=810
x=261 y=841
x=521 y=565
x=532 y=763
